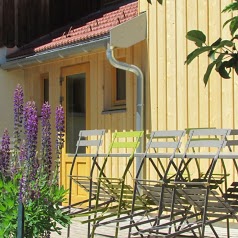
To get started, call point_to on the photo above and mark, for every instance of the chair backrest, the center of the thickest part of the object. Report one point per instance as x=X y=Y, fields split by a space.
x=90 y=139
x=170 y=139
x=162 y=145
x=207 y=138
x=231 y=139
x=126 y=140
x=205 y=144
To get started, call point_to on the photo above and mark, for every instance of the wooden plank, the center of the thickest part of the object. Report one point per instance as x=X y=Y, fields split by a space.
x=214 y=81
x=157 y=71
x=192 y=72
x=181 y=69
x=171 y=57
x=143 y=6
x=228 y=91
x=154 y=43
x=92 y=93
x=203 y=92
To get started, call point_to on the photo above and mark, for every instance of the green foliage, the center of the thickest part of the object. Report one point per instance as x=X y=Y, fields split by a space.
x=231 y=7
x=8 y=206
x=223 y=53
x=43 y=214
x=196 y=53
x=234 y=20
x=30 y=184
x=197 y=36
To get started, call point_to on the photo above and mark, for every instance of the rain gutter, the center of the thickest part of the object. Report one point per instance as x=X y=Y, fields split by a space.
x=57 y=53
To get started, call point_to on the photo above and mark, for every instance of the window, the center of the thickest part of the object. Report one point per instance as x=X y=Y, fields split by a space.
x=115 y=87
x=119 y=87
x=42 y=93
x=46 y=89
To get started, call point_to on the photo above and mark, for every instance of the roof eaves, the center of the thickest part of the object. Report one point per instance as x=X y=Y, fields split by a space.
x=57 y=53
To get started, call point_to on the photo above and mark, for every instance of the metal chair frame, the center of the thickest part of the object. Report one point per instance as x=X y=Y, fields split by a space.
x=160 y=188
x=116 y=186
x=84 y=140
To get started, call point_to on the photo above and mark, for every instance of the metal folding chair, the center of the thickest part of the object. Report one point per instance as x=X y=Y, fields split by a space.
x=92 y=140
x=181 y=223
x=116 y=186
x=222 y=203
x=161 y=147
x=199 y=188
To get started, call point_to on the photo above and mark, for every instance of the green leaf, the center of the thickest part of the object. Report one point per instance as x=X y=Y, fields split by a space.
x=160 y=1
x=225 y=43
x=211 y=54
x=234 y=25
x=229 y=20
x=216 y=43
x=231 y=7
x=223 y=72
x=10 y=202
x=235 y=66
x=219 y=61
x=208 y=72
x=197 y=36
x=196 y=53
x=2 y=208
x=216 y=62
x=1 y=183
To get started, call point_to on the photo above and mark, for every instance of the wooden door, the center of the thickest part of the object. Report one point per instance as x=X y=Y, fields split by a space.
x=75 y=95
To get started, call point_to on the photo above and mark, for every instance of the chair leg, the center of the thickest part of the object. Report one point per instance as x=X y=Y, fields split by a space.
x=228 y=227
x=205 y=212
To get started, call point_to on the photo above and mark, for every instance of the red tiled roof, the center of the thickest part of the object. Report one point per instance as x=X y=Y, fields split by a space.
x=93 y=26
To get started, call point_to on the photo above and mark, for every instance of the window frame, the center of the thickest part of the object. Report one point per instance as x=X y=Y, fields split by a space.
x=115 y=101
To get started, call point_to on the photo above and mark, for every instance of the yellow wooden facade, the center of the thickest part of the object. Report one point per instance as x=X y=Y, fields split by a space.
x=175 y=95
x=100 y=115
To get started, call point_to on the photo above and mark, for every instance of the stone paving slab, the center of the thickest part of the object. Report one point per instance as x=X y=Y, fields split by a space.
x=79 y=230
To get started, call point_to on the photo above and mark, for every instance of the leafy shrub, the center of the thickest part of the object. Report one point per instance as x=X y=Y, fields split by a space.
x=27 y=176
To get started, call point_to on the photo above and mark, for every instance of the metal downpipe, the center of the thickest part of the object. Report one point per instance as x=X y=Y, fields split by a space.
x=140 y=94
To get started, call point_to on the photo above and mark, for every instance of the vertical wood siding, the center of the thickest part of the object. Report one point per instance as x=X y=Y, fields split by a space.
x=176 y=95
x=100 y=76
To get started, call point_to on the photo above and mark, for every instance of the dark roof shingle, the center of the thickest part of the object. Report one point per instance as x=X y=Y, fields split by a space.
x=93 y=26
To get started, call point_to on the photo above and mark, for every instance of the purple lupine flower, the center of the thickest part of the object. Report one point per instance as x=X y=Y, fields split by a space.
x=31 y=129
x=23 y=184
x=23 y=188
x=18 y=114
x=5 y=158
x=59 y=119
x=46 y=150
x=22 y=154
x=28 y=188
x=59 y=125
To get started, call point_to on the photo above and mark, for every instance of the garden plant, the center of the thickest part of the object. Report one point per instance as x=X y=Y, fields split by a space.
x=223 y=53
x=29 y=176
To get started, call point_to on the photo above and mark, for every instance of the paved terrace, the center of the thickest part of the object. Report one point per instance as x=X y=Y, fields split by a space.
x=79 y=230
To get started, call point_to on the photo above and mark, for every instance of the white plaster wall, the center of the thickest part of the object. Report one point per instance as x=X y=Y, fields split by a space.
x=8 y=83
